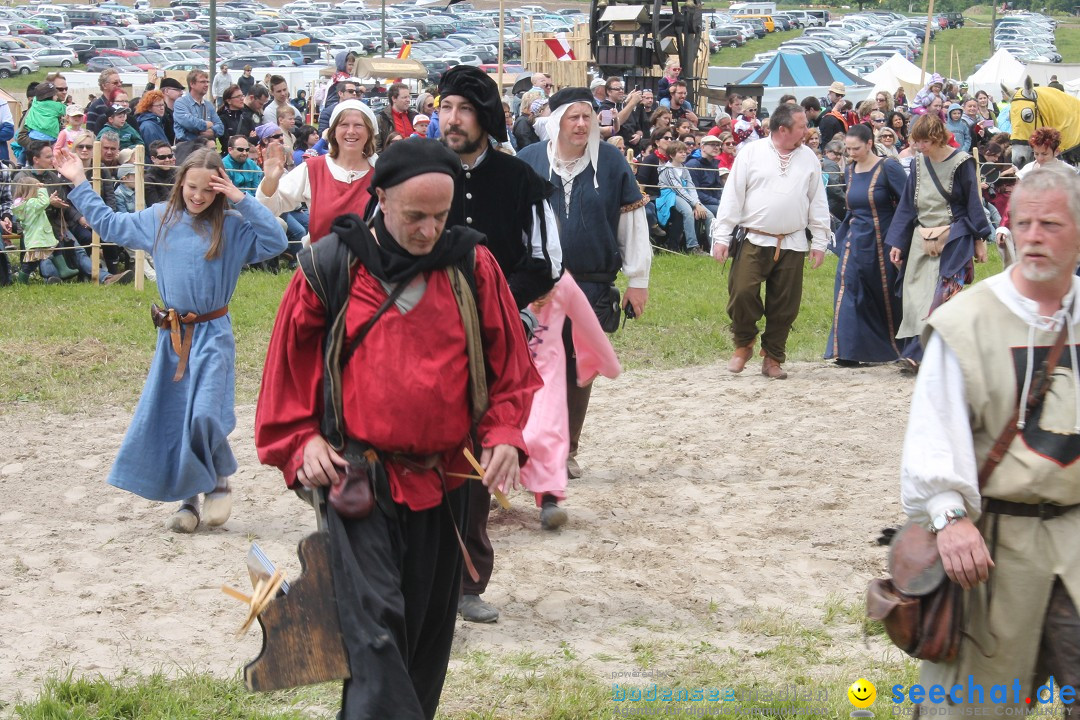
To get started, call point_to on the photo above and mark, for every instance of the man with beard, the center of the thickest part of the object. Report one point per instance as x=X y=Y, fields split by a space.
x=774 y=193
x=1018 y=516
x=503 y=198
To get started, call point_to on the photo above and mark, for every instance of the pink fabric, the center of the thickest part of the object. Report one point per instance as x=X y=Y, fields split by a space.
x=547 y=434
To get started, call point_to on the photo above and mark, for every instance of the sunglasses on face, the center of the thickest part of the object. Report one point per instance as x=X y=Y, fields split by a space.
x=238 y=149
x=279 y=136
x=85 y=147
x=729 y=144
x=170 y=156
x=666 y=137
x=347 y=92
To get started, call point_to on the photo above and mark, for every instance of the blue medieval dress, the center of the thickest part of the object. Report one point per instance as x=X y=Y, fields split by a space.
x=177 y=444
x=866 y=304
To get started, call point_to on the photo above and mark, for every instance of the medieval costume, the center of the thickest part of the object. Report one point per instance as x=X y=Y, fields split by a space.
x=405 y=397
x=867 y=308
x=775 y=199
x=177 y=444
x=547 y=434
x=602 y=227
x=930 y=280
x=982 y=350
x=503 y=198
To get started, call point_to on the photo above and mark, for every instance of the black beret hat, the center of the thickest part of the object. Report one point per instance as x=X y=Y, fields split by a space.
x=415 y=156
x=170 y=83
x=570 y=95
x=477 y=87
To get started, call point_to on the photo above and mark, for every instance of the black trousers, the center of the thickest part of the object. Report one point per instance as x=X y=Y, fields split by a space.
x=396 y=578
x=477 y=542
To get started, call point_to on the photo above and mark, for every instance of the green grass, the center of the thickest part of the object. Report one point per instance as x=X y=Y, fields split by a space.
x=971 y=42
x=72 y=346
x=18 y=83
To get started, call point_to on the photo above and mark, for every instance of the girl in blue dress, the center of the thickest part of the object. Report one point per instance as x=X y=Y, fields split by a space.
x=176 y=447
x=867 y=308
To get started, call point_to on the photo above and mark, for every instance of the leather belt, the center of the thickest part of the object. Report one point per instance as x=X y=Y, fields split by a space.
x=779 y=239
x=1045 y=511
x=173 y=322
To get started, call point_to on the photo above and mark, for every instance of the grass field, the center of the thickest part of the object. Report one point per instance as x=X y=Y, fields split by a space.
x=972 y=42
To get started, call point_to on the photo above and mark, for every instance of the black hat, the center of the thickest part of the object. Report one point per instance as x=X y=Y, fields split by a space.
x=114 y=110
x=44 y=90
x=415 y=156
x=570 y=95
x=170 y=83
x=477 y=87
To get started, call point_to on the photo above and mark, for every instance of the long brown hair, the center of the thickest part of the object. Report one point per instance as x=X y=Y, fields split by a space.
x=213 y=217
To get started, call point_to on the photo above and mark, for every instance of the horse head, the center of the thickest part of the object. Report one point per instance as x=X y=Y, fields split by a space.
x=1035 y=107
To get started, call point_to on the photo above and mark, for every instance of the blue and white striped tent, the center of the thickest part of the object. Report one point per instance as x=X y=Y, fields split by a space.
x=814 y=70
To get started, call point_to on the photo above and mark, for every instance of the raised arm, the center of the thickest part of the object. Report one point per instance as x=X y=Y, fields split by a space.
x=136 y=231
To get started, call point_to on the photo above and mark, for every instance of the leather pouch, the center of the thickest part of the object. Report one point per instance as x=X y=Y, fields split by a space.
x=353 y=497
x=158 y=315
x=920 y=607
x=934 y=239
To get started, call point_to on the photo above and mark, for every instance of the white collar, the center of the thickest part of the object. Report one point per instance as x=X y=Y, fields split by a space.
x=1027 y=309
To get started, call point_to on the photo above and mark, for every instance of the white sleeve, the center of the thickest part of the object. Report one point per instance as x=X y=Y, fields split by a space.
x=633 y=236
x=554 y=245
x=938 y=471
x=293 y=189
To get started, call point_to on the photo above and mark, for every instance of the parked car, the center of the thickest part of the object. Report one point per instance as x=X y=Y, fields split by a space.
x=24 y=63
x=103 y=62
x=55 y=57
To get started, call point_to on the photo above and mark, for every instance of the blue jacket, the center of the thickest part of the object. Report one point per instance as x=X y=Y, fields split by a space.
x=246 y=176
x=960 y=129
x=189 y=118
x=705 y=178
x=151 y=128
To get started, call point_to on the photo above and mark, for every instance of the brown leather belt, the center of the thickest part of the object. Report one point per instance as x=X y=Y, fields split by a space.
x=779 y=239
x=173 y=322
x=1046 y=511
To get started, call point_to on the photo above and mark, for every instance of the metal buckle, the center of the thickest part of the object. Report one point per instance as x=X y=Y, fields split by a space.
x=1048 y=511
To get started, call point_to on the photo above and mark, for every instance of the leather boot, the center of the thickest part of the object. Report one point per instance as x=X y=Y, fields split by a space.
x=770 y=368
x=739 y=358
x=65 y=271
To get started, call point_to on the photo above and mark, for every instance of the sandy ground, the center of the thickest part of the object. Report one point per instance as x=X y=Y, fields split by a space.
x=699 y=487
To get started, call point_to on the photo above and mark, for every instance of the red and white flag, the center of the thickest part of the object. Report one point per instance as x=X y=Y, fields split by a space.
x=560 y=47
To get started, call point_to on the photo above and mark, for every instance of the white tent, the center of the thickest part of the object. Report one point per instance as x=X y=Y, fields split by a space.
x=1040 y=72
x=894 y=73
x=1001 y=69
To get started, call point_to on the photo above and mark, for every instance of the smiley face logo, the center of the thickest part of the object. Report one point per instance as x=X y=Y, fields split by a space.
x=862 y=693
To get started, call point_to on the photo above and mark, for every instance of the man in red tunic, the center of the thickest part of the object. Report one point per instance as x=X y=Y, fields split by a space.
x=405 y=396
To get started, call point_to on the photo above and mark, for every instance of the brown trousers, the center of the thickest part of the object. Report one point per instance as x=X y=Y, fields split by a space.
x=783 y=281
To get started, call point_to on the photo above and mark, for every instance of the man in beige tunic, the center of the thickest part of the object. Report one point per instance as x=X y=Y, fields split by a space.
x=1015 y=547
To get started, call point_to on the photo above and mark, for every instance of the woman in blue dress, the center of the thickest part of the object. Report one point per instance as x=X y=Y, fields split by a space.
x=177 y=445
x=866 y=307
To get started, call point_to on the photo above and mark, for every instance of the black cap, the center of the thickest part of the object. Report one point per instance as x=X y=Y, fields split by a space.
x=570 y=95
x=415 y=156
x=476 y=86
x=170 y=83
x=114 y=110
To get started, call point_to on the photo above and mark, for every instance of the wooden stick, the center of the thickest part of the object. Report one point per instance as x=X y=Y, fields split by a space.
x=236 y=594
x=481 y=472
x=140 y=204
x=464 y=476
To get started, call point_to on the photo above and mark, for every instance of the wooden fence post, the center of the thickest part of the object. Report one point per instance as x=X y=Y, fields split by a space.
x=139 y=158
x=95 y=242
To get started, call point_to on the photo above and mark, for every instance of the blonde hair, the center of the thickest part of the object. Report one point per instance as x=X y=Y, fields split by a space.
x=26 y=186
x=748 y=104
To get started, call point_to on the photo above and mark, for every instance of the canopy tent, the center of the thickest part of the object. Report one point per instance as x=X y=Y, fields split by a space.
x=1001 y=69
x=802 y=71
x=897 y=72
x=1040 y=72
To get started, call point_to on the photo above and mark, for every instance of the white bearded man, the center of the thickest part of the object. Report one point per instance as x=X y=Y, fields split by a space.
x=1011 y=543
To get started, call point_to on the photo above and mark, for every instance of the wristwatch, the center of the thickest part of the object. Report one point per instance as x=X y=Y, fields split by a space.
x=942 y=521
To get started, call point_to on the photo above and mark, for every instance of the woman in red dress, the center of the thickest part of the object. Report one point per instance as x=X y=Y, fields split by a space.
x=333 y=184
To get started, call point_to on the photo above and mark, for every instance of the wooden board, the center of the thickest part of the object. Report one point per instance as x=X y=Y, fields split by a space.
x=302 y=642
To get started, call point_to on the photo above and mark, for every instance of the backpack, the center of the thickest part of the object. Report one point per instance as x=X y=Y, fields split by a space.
x=329 y=267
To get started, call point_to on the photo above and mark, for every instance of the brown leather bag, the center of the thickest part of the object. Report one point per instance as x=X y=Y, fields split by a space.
x=934 y=239
x=353 y=497
x=921 y=609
